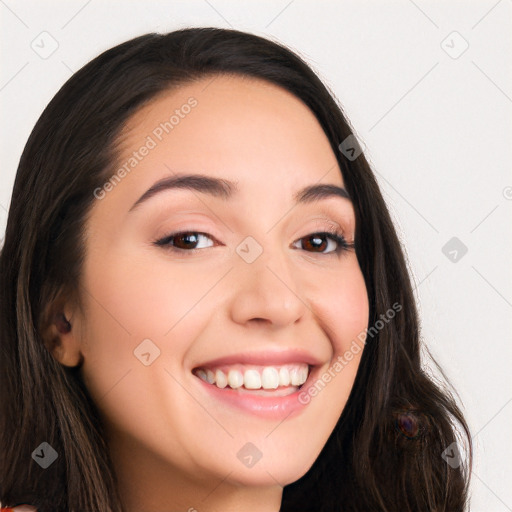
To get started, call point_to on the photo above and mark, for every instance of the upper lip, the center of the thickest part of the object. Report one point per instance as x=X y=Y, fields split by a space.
x=263 y=358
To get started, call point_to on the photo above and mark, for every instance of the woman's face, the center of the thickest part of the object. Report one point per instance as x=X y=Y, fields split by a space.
x=251 y=293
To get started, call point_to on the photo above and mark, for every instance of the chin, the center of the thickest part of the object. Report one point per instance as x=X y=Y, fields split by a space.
x=271 y=472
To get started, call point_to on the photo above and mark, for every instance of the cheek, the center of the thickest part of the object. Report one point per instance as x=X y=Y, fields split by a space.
x=341 y=302
x=351 y=316
x=347 y=319
x=132 y=299
x=146 y=295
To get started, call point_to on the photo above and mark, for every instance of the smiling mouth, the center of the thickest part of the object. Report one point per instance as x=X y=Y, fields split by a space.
x=280 y=380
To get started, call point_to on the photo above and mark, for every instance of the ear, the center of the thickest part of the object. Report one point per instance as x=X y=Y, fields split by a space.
x=61 y=330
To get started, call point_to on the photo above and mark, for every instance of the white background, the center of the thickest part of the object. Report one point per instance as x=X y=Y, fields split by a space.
x=437 y=131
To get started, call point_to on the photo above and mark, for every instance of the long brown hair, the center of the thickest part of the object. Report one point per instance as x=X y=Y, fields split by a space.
x=385 y=453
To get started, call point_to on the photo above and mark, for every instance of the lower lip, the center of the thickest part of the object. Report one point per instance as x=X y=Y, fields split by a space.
x=272 y=407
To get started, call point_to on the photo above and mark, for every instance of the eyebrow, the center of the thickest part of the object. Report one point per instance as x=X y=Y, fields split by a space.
x=225 y=189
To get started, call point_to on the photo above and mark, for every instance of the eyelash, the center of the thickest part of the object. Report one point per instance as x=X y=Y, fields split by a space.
x=331 y=233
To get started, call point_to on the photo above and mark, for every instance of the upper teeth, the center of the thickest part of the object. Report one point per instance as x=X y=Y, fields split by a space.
x=266 y=377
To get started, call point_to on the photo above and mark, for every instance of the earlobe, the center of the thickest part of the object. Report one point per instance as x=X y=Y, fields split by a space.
x=61 y=340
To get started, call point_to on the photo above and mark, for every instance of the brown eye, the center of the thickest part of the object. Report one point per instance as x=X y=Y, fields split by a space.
x=315 y=242
x=184 y=241
x=319 y=242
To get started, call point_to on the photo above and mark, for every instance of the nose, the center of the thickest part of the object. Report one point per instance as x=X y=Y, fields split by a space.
x=266 y=292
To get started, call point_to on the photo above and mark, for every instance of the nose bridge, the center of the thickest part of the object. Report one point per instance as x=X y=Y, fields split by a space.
x=265 y=287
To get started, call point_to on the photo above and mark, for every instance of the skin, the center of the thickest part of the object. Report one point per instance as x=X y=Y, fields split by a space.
x=174 y=448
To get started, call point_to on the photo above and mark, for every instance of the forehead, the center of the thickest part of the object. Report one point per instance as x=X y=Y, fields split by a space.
x=239 y=128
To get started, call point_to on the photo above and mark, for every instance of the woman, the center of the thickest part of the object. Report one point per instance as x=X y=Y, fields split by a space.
x=205 y=305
